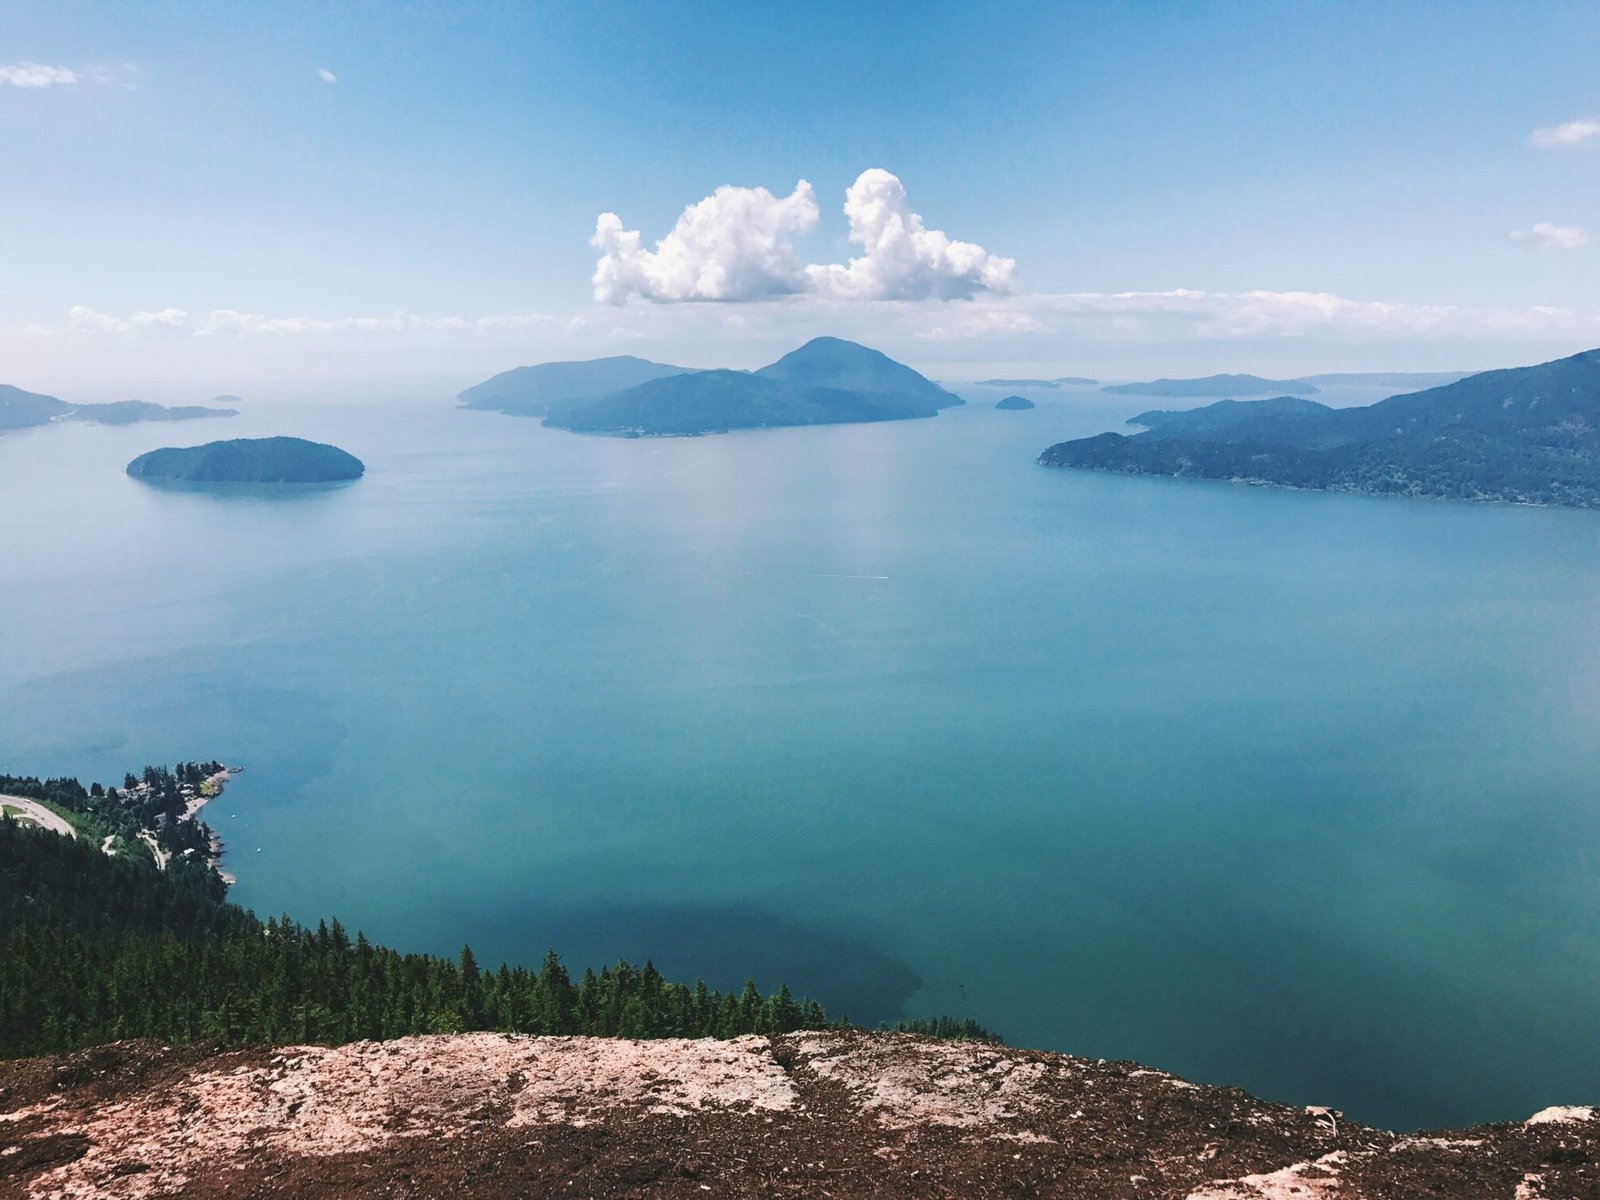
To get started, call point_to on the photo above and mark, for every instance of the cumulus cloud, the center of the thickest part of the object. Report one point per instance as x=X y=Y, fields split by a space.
x=1571 y=133
x=1548 y=236
x=901 y=258
x=37 y=75
x=326 y=75
x=738 y=244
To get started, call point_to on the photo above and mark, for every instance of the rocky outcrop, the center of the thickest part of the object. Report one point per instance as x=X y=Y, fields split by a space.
x=811 y=1114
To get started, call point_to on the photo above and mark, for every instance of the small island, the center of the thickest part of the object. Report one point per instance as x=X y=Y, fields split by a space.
x=249 y=460
x=1014 y=404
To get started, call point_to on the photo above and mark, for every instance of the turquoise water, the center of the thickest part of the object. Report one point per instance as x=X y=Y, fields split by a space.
x=1290 y=791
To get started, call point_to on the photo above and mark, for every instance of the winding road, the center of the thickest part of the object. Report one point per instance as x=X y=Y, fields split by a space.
x=38 y=814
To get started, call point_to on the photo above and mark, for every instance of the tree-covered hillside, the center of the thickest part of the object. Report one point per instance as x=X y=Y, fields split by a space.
x=1529 y=435
x=96 y=948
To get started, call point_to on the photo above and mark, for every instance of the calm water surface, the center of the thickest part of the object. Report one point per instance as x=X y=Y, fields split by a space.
x=1290 y=791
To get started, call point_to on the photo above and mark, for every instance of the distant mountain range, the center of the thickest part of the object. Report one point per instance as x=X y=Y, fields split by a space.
x=23 y=410
x=249 y=460
x=1305 y=385
x=1528 y=435
x=1407 y=380
x=1215 y=385
x=1062 y=381
x=826 y=381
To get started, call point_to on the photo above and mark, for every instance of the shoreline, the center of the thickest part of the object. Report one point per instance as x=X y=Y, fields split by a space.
x=207 y=790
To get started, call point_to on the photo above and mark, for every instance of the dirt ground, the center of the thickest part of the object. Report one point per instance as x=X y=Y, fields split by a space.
x=808 y=1115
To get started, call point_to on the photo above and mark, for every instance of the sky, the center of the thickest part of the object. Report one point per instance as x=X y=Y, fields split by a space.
x=213 y=197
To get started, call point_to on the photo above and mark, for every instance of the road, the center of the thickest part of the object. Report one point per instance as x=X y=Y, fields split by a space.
x=39 y=814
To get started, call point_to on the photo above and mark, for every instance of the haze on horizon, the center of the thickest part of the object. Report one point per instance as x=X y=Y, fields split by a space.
x=286 y=200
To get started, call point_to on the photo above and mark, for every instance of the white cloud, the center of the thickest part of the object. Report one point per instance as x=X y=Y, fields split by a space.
x=37 y=75
x=1547 y=236
x=902 y=259
x=738 y=244
x=326 y=75
x=224 y=322
x=1571 y=133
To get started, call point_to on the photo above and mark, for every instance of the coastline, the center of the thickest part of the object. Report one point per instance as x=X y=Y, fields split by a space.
x=196 y=797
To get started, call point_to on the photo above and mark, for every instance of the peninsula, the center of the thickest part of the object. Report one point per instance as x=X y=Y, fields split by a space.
x=153 y=816
x=1528 y=435
x=249 y=460
x=21 y=409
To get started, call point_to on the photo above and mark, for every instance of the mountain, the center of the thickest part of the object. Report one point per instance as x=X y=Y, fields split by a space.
x=531 y=391
x=1014 y=404
x=828 y=362
x=1237 y=417
x=831 y=1113
x=1528 y=435
x=22 y=410
x=827 y=381
x=1394 y=379
x=249 y=460
x=1215 y=385
x=1063 y=381
x=129 y=412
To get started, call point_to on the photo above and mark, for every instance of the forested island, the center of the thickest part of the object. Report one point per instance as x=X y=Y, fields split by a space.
x=21 y=409
x=1014 y=404
x=1528 y=435
x=827 y=381
x=250 y=460
x=531 y=391
x=100 y=941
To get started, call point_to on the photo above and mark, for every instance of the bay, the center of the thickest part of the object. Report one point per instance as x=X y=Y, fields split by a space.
x=1285 y=790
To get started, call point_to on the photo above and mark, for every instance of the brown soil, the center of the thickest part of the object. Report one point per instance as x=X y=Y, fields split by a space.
x=808 y=1115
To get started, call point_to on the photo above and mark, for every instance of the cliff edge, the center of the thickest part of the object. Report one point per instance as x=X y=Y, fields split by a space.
x=836 y=1114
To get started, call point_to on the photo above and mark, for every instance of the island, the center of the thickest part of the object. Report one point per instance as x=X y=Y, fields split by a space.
x=1014 y=404
x=827 y=381
x=249 y=460
x=532 y=391
x=1059 y=381
x=1215 y=385
x=21 y=409
x=1527 y=435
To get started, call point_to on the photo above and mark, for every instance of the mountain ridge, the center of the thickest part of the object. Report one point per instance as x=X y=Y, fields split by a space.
x=21 y=409
x=826 y=381
x=532 y=390
x=1523 y=434
x=846 y=1114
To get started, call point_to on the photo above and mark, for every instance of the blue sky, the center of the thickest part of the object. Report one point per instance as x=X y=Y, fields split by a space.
x=1180 y=186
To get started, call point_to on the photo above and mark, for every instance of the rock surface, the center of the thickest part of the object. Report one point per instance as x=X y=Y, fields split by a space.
x=810 y=1114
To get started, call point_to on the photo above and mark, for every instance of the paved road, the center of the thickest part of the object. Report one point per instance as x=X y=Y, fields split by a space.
x=35 y=811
